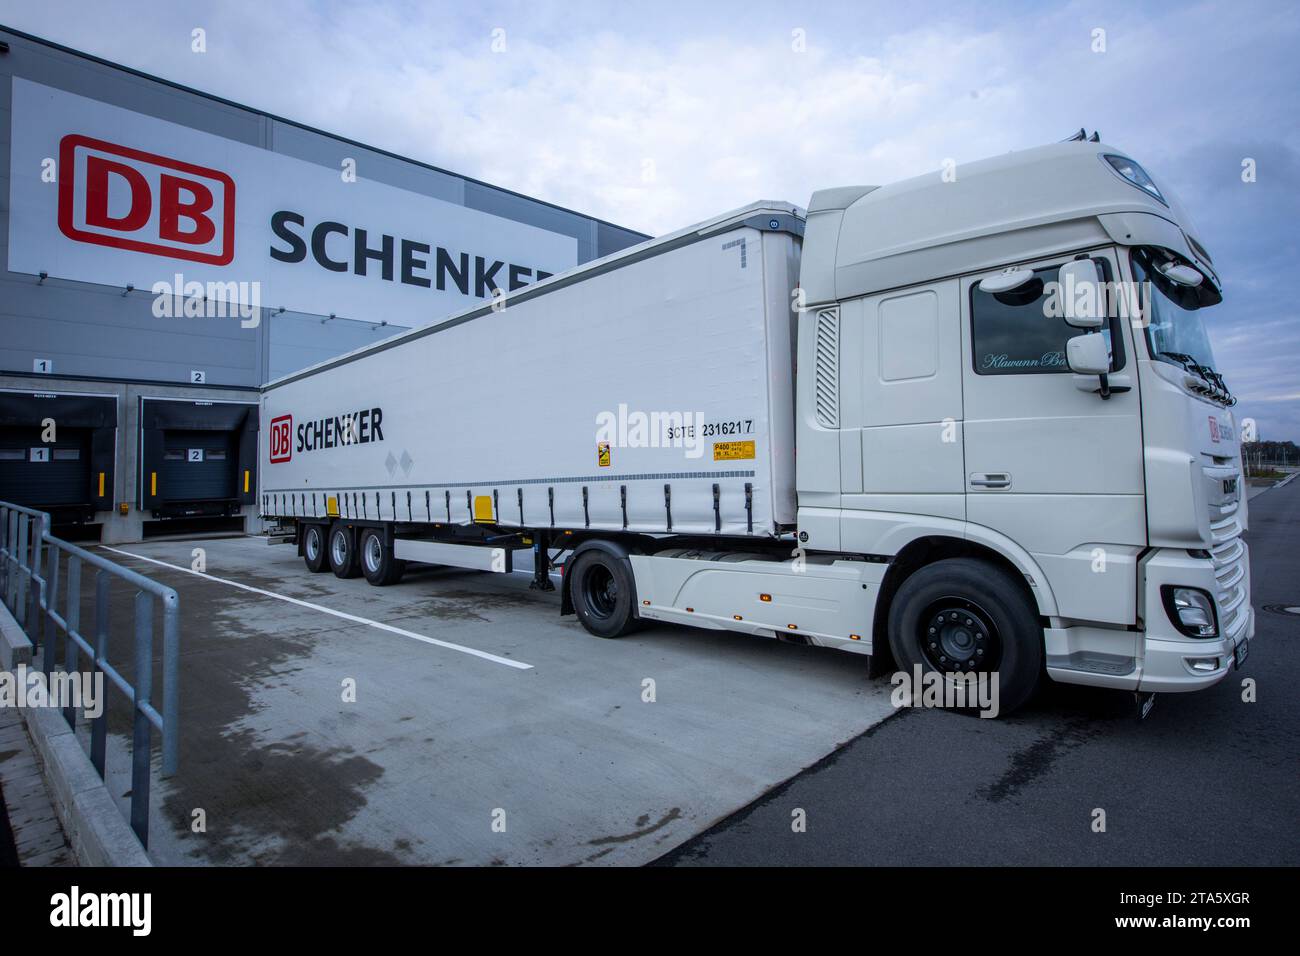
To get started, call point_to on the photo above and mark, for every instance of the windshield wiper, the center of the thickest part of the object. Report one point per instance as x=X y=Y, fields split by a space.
x=1183 y=359
x=1217 y=379
x=1190 y=364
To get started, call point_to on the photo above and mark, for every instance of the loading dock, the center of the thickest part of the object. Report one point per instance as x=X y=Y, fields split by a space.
x=198 y=459
x=57 y=453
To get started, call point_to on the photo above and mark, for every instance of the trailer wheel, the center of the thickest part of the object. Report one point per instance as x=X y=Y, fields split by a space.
x=378 y=563
x=313 y=548
x=966 y=616
x=603 y=594
x=343 y=553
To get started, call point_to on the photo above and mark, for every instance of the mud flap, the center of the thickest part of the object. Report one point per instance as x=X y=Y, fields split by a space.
x=1142 y=704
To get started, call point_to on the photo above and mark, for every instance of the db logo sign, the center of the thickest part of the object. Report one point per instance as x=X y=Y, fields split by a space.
x=281 y=438
x=128 y=199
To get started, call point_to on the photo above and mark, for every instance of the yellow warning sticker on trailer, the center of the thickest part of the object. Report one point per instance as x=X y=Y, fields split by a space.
x=602 y=454
x=732 y=450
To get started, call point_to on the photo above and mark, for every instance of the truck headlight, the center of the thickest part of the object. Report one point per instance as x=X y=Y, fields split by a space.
x=1191 y=610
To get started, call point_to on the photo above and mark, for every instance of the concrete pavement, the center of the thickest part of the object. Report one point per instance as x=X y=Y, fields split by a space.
x=447 y=757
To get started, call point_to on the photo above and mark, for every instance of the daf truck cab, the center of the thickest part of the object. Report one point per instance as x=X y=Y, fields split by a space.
x=1007 y=393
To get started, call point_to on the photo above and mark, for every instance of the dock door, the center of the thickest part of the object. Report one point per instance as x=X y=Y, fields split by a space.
x=57 y=453
x=198 y=459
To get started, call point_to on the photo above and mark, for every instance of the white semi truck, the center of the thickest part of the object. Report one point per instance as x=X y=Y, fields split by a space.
x=969 y=421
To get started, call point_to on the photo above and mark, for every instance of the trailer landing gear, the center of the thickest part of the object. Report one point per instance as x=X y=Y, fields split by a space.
x=541 y=563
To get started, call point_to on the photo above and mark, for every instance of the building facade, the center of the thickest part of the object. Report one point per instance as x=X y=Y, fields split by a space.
x=167 y=252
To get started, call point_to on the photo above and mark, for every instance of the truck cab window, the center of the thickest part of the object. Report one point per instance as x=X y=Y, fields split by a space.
x=1175 y=327
x=1012 y=334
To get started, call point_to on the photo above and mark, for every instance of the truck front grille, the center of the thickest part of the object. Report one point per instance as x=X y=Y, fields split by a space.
x=1229 y=556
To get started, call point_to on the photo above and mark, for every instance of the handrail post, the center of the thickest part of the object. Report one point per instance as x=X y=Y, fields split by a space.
x=72 y=617
x=37 y=595
x=4 y=555
x=99 y=727
x=171 y=684
x=49 y=607
x=11 y=562
x=24 y=580
x=140 y=739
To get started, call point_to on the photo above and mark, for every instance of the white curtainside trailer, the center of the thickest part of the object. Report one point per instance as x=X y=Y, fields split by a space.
x=650 y=391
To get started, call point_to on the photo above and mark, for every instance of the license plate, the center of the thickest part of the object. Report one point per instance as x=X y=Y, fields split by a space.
x=1240 y=652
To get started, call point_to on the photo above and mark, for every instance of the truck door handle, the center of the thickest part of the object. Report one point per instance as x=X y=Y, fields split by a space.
x=992 y=480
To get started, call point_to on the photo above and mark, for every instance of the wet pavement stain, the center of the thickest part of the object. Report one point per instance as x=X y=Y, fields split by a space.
x=467 y=605
x=1034 y=761
x=279 y=803
x=674 y=814
x=276 y=802
x=325 y=851
x=444 y=611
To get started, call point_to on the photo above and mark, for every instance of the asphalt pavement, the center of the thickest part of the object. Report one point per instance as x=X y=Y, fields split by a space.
x=1206 y=779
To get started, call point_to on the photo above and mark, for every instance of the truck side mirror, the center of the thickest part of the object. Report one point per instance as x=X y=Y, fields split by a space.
x=1079 y=293
x=1181 y=275
x=1088 y=354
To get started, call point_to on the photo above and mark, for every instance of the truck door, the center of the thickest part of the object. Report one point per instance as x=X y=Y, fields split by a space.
x=901 y=406
x=1049 y=464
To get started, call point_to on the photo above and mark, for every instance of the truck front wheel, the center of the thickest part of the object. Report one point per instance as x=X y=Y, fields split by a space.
x=313 y=548
x=603 y=594
x=378 y=563
x=343 y=553
x=966 y=616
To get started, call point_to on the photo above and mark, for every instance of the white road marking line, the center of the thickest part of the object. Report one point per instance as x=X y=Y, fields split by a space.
x=380 y=625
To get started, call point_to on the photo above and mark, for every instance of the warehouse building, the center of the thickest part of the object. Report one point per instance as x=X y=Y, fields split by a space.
x=167 y=252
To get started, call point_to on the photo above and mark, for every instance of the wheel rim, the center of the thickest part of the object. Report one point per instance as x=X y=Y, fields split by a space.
x=599 y=591
x=339 y=549
x=312 y=545
x=373 y=554
x=959 y=637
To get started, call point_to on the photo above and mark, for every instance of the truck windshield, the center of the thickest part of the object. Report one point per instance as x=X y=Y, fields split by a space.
x=1175 y=329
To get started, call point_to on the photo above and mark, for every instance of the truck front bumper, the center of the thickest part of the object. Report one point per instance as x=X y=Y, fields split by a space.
x=1159 y=657
x=1173 y=662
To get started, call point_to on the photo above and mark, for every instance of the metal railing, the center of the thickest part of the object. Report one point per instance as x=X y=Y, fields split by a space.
x=33 y=598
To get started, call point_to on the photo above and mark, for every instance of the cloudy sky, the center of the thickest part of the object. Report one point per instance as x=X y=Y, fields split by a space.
x=657 y=115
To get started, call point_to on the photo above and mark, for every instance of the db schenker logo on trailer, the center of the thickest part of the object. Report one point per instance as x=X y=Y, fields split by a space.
x=281 y=438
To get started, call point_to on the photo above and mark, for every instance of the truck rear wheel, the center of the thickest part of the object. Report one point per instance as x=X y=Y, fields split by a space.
x=378 y=563
x=966 y=616
x=603 y=594
x=313 y=548
x=343 y=552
